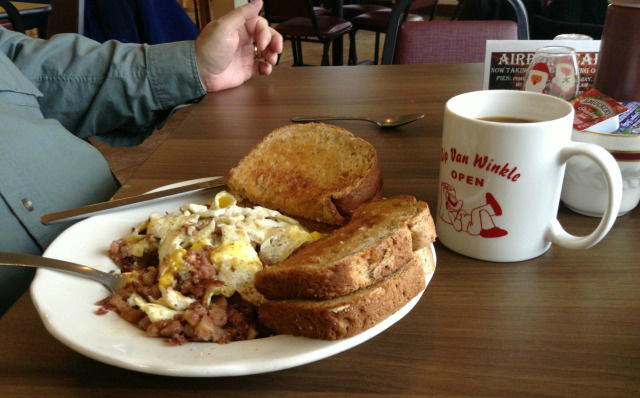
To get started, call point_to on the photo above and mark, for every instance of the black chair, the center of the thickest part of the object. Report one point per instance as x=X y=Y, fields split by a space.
x=379 y=22
x=300 y=22
x=517 y=10
x=398 y=17
x=13 y=16
x=359 y=7
x=273 y=17
x=543 y=28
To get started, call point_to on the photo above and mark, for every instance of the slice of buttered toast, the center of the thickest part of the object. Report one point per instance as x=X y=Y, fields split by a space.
x=379 y=239
x=354 y=313
x=315 y=171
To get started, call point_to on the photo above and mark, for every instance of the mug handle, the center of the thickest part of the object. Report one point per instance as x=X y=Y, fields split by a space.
x=555 y=233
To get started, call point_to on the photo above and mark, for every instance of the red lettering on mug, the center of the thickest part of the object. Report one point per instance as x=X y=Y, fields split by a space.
x=503 y=170
x=458 y=157
x=470 y=180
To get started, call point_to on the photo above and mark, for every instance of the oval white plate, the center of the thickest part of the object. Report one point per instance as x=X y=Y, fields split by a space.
x=66 y=304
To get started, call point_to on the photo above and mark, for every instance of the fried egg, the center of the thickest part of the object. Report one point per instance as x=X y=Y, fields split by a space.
x=155 y=312
x=231 y=234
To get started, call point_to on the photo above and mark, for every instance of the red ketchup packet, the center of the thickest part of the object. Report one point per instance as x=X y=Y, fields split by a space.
x=593 y=107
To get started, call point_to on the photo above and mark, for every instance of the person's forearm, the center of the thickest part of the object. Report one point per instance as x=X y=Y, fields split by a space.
x=94 y=88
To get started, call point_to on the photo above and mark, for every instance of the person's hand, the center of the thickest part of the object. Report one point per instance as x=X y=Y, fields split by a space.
x=225 y=48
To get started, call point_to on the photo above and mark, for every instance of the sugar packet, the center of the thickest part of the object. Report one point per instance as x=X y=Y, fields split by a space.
x=630 y=120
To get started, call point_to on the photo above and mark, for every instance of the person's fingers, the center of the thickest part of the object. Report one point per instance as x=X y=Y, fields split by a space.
x=265 y=36
x=271 y=57
x=265 y=68
x=276 y=43
x=262 y=34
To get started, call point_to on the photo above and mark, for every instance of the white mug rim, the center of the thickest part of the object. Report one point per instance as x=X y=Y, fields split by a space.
x=451 y=105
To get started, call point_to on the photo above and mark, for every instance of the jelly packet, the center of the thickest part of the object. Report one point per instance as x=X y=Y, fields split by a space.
x=630 y=120
x=593 y=107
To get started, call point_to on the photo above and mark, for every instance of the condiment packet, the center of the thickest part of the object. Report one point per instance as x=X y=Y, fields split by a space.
x=593 y=107
x=630 y=120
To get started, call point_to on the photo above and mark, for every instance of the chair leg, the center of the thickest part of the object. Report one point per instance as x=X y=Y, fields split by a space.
x=434 y=8
x=300 y=58
x=353 y=55
x=325 y=53
x=376 y=49
x=456 y=13
x=294 y=51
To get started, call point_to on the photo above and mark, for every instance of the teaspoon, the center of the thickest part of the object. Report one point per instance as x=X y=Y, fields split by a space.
x=382 y=122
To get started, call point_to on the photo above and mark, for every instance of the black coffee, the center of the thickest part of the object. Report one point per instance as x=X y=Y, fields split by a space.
x=506 y=119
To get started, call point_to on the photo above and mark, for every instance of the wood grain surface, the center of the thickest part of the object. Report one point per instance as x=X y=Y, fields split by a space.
x=565 y=324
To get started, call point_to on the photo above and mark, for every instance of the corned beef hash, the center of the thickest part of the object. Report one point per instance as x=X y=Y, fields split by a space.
x=191 y=272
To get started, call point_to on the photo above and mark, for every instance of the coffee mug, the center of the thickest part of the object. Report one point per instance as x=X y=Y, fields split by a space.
x=502 y=163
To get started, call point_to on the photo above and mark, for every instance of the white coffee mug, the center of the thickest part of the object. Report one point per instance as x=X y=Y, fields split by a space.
x=502 y=163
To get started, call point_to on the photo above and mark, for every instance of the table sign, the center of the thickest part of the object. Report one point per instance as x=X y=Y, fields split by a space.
x=506 y=61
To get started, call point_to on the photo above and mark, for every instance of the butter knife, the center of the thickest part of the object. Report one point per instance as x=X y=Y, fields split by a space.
x=124 y=203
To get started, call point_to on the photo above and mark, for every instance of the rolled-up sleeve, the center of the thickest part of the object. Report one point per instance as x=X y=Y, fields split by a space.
x=119 y=92
x=169 y=87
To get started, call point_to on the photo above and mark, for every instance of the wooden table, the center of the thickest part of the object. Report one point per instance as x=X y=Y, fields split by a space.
x=566 y=324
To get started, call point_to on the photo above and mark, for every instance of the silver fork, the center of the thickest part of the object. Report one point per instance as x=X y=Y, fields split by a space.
x=110 y=281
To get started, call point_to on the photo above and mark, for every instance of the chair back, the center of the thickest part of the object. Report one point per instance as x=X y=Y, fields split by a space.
x=402 y=7
x=14 y=15
x=419 y=4
x=474 y=10
x=398 y=16
x=281 y=10
x=543 y=28
x=449 y=42
x=521 y=18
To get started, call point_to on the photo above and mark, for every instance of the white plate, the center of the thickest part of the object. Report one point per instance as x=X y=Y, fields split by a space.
x=66 y=304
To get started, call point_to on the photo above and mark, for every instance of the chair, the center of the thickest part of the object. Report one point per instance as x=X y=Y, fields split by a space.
x=379 y=21
x=35 y=15
x=518 y=10
x=274 y=17
x=543 y=28
x=358 y=7
x=301 y=23
x=440 y=41
x=448 y=42
x=568 y=16
x=14 y=21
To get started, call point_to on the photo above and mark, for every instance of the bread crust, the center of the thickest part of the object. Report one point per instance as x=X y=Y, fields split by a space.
x=379 y=239
x=315 y=171
x=342 y=277
x=352 y=314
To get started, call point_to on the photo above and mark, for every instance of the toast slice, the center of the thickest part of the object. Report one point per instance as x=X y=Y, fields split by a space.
x=354 y=313
x=379 y=239
x=315 y=171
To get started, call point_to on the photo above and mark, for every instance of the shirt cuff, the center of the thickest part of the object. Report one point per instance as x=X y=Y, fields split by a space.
x=173 y=73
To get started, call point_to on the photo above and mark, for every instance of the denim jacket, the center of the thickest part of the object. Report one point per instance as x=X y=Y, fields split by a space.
x=54 y=94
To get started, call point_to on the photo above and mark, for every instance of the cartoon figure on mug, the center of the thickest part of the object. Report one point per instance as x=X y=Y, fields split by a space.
x=565 y=81
x=479 y=221
x=537 y=79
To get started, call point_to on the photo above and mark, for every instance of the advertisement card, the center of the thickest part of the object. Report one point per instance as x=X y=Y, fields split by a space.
x=507 y=61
